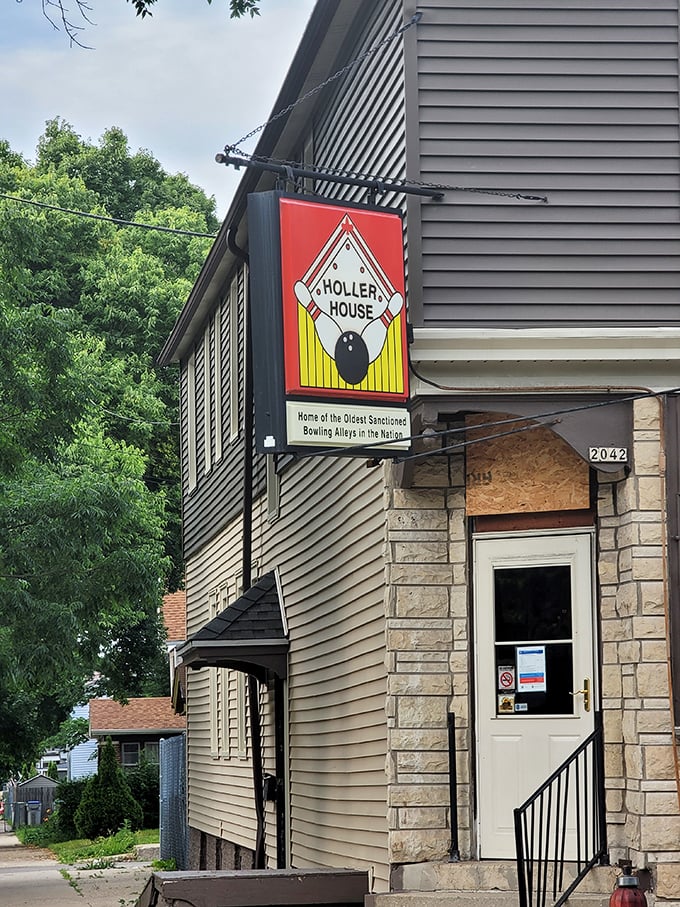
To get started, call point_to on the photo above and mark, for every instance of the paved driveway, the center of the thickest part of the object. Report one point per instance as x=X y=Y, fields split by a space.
x=30 y=878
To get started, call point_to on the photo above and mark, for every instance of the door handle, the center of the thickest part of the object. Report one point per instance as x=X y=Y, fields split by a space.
x=585 y=692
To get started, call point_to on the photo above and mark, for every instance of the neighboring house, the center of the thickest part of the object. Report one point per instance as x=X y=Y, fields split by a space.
x=82 y=759
x=78 y=762
x=427 y=640
x=175 y=619
x=136 y=728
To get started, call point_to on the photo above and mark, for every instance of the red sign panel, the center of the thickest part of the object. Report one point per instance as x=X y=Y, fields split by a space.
x=344 y=309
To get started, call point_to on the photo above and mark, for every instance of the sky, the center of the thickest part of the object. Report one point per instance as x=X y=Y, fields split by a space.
x=181 y=84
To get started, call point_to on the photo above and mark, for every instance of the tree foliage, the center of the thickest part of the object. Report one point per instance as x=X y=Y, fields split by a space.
x=71 y=732
x=60 y=14
x=89 y=461
x=107 y=802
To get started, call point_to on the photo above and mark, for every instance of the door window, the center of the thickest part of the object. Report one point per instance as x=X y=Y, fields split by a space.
x=533 y=645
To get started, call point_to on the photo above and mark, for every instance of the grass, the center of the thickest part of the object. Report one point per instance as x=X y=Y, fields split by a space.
x=123 y=841
x=80 y=849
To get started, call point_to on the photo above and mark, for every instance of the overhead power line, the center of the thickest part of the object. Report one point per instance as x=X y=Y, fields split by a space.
x=112 y=220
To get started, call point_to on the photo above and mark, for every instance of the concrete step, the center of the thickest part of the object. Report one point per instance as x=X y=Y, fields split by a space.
x=443 y=899
x=469 y=899
x=470 y=883
x=148 y=852
x=489 y=875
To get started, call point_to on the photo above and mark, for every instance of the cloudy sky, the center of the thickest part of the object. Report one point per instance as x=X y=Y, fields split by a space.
x=181 y=84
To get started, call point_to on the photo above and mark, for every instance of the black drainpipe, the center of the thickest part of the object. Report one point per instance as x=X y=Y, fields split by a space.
x=253 y=685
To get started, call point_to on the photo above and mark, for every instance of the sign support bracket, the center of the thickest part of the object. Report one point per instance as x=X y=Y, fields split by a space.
x=298 y=173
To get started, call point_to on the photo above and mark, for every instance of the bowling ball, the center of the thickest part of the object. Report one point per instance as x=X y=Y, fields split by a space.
x=351 y=357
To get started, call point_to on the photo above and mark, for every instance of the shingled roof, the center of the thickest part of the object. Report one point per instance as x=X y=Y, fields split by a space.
x=175 y=615
x=150 y=714
x=249 y=635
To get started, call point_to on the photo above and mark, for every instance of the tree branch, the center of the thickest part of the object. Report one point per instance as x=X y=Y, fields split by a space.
x=62 y=13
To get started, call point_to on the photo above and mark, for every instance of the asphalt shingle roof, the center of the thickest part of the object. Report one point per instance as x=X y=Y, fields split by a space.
x=255 y=615
x=248 y=636
x=153 y=713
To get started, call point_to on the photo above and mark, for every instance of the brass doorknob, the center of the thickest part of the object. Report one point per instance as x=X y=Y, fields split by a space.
x=585 y=692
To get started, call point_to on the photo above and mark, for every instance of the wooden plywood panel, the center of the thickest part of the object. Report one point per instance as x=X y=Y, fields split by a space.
x=530 y=471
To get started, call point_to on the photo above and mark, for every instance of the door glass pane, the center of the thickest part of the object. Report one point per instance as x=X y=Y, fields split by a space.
x=532 y=603
x=533 y=640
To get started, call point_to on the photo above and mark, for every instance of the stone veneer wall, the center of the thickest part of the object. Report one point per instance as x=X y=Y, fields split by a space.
x=642 y=791
x=428 y=660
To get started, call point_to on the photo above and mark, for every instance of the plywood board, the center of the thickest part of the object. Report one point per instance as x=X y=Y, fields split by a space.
x=529 y=471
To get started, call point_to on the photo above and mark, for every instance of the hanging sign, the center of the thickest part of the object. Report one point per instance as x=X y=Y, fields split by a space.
x=531 y=669
x=329 y=326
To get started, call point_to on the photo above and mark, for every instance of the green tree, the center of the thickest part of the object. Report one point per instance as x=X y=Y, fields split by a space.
x=71 y=732
x=89 y=462
x=144 y=781
x=61 y=15
x=107 y=802
x=68 y=795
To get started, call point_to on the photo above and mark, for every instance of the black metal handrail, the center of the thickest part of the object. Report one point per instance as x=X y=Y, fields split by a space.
x=561 y=830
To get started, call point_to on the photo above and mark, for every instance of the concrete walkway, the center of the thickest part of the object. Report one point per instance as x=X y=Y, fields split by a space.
x=30 y=877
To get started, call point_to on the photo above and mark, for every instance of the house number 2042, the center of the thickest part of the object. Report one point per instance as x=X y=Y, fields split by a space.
x=608 y=454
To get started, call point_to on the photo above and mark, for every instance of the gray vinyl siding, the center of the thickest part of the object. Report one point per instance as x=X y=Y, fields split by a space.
x=328 y=546
x=360 y=124
x=218 y=495
x=576 y=100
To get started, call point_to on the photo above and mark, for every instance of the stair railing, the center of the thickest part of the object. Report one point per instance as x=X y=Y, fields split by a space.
x=561 y=830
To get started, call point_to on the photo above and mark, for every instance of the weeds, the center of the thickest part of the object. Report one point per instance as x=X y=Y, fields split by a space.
x=72 y=882
x=123 y=841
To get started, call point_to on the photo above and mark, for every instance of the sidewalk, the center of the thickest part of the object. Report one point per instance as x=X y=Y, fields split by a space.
x=31 y=878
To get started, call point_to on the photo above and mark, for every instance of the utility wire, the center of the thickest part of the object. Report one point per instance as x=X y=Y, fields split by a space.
x=553 y=415
x=113 y=220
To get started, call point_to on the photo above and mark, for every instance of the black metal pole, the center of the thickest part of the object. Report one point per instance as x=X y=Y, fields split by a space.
x=279 y=743
x=247 y=547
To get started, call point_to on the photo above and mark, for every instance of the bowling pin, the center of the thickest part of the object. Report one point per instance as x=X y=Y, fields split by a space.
x=326 y=328
x=375 y=332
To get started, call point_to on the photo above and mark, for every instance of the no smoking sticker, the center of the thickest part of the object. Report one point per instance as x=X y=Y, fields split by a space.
x=506 y=677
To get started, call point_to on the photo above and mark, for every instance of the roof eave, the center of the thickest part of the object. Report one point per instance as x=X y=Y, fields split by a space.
x=316 y=47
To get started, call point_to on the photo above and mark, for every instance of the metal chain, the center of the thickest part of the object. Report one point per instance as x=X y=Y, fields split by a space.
x=235 y=149
x=229 y=149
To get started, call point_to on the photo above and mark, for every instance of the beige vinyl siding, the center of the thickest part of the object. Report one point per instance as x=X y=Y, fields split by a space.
x=328 y=544
x=574 y=100
x=220 y=790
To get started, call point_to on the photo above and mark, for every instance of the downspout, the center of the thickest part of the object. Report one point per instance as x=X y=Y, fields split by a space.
x=253 y=685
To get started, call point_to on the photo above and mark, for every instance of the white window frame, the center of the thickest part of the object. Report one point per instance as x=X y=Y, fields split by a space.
x=233 y=362
x=217 y=371
x=191 y=422
x=241 y=713
x=213 y=600
x=155 y=747
x=207 y=408
x=130 y=747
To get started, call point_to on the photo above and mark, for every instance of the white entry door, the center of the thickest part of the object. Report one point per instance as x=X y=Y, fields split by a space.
x=533 y=597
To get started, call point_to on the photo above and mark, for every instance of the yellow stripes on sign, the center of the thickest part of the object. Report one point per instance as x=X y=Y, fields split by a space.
x=318 y=369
